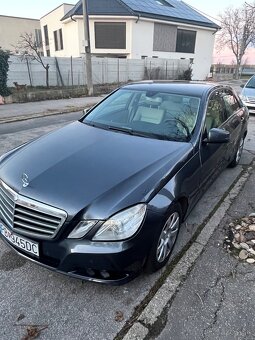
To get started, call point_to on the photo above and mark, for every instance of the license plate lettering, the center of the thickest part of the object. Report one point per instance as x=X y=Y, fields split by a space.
x=20 y=242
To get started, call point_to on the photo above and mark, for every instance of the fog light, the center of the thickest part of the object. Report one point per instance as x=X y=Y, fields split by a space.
x=105 y=274
x=90 y=272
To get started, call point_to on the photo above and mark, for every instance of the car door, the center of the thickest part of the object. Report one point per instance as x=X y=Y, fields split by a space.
x=234 y=113
x=212 y=155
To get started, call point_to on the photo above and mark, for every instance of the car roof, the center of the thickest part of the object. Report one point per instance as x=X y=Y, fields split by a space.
x=195 y=88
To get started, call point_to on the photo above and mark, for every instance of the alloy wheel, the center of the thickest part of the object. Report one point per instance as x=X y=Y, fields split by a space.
x=168 y=236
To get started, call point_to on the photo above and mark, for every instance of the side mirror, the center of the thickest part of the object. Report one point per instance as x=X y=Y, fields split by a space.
x=216 y=135
x=242 y=86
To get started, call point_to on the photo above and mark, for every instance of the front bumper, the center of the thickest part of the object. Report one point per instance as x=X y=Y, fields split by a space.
x=112 y=263
x=77 y=270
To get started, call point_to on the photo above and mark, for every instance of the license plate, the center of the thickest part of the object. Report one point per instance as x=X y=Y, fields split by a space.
x=19 y=241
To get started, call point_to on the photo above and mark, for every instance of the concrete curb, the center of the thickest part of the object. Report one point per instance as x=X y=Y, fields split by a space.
x=149 y=316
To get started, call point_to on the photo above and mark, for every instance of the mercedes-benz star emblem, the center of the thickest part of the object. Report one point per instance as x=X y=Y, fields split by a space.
x=25 y=180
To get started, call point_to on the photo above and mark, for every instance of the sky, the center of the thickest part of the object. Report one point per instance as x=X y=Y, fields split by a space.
x=30 y=8
x=38 y=8
x=214 y=7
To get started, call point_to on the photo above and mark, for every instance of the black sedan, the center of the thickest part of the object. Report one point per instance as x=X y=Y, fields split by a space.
x=104 y=197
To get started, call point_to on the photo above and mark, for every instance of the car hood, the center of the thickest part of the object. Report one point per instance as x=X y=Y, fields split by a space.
x=96 y=172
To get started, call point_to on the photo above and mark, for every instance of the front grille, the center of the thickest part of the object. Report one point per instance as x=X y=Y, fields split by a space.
x=27 y=216
x=7 y=206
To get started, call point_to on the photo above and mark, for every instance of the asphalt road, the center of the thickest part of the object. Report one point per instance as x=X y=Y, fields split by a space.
x=73 y=309
x=54 y=120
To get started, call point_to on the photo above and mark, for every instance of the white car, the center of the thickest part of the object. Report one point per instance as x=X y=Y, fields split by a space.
x=248 y=94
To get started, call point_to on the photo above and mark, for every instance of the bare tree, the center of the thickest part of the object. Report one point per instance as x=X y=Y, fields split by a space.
x=28 y=47
x=249 y=5
x=237 y=31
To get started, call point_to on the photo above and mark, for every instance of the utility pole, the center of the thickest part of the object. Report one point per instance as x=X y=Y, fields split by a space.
x=87 y=48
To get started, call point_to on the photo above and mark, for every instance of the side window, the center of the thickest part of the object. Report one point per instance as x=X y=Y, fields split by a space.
x=231 y=103
x=215 y=111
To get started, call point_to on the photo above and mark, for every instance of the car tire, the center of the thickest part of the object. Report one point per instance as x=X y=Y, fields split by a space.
x=238 y=154
x=164 y=240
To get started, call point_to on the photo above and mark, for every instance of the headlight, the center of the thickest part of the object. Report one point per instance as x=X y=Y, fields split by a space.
x=244 y=98
x=82 y=229
x=122 y=225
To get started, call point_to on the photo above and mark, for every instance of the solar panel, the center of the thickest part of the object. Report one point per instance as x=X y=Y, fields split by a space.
x=168 y=9
x=176 y=9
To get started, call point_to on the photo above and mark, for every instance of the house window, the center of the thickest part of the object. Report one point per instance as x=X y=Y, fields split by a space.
x=38 y=37
x=164 y=38
x=46 y=35
x=110 y=35
x=58 y=40
x=186 y=41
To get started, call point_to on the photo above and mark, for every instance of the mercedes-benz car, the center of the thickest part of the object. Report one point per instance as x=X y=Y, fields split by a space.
x=104 y=197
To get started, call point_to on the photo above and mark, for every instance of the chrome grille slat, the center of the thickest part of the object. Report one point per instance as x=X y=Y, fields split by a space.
x=27 y=216
x=29 y=220
x=6 y=192
x=6 y=198
x=36 y=215
x=6 y=207
x=6 y=218
x=29 y=227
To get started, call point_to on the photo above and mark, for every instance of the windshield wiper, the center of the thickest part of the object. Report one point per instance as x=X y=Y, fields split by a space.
x=183 y=124
x=130 y=131
x=185 y=127
x=121 y=129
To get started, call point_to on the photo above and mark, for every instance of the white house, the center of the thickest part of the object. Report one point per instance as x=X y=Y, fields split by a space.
x=134 y=29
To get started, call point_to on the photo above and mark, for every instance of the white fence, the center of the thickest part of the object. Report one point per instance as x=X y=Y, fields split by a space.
x=72 y=71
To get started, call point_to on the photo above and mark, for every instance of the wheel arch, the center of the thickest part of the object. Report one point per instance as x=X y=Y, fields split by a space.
x=184 y=203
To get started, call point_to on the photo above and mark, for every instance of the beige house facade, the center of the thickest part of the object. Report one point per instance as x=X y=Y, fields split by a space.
x=12 y=27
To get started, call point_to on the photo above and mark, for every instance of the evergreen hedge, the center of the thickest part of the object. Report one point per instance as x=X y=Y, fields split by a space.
x=4 y=67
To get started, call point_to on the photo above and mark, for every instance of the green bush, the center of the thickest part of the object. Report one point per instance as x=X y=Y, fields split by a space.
x=4 y=67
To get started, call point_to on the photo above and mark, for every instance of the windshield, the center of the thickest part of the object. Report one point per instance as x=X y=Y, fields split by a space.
x=251 y=83
x=147 y=113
